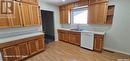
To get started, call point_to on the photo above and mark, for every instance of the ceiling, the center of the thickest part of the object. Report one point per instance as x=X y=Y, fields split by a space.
x=59 y=2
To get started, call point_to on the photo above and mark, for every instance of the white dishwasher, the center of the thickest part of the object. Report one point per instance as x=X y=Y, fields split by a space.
x=87 y=40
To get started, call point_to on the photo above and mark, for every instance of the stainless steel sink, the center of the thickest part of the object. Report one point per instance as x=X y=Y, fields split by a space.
x=77 y=29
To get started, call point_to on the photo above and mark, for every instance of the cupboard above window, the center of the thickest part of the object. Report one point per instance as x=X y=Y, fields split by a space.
x=96 y=1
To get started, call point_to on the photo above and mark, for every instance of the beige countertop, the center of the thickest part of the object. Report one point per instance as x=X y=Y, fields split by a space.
x=93 y=31
x=8 y=39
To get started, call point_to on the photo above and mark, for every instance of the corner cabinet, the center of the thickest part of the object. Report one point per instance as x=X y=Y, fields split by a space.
x=22 y=49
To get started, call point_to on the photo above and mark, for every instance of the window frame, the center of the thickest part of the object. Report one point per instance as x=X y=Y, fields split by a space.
x=76 y=8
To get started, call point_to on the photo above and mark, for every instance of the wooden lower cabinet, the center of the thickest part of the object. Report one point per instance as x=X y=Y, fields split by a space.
x=74 y=37
x=10 y=53
x=69 y=36
x=63 y=35
x=32 y=46
x=40 y=44
x=98 y=43
x=21 y=49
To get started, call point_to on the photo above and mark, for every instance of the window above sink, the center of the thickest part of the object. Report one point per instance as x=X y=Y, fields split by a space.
x=79 y=15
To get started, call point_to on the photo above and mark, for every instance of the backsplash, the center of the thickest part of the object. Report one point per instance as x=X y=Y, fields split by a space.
x=89 y=27
x=9 y=32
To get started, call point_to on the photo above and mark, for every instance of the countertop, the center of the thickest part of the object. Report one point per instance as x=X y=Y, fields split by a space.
x=8 y=39
x=93 y=31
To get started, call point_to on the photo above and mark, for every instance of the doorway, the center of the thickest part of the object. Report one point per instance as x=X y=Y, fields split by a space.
x=48 y=25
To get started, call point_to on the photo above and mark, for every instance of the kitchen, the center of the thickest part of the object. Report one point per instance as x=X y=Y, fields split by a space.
x=27 y=35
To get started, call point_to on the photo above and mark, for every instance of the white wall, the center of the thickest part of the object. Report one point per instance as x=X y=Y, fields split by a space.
x=118 y=37
x=55 y=9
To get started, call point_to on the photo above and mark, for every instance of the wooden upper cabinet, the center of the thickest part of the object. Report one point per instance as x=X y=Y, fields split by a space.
x=30 y=1
x=35 y=15
x=5 y=23
x=16 y=18
x=97 y=1
x=4 y=18
x=26 y=14
x=26 y=1
x=64 y=15
x=92 y=14
x=110 y=14
x=102 y=13
x=34 y=1
x=10 y=53
x=18 y=0
x=83 y=2
x=97 y=13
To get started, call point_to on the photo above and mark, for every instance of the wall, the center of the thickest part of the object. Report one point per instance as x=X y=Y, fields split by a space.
x=9 y=32
x=55 y=9
x=118 y=36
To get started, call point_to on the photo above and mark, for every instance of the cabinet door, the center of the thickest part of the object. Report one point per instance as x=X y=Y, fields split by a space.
x=97 y=13
x=16 y=18
x=5 y=23
x=4 y=20
x=23 y=50
x=83 y=2
x=98 y=43
x=32 y=46
x=92 y=14
x=35 y=15
x=64 y=15
x=97 y=1
x=66 y=36
x=40 y=44
x=75 y=38
x=101 y=13
x=26 y=14
x=60 y=36
x=34 y=1
x=10 y=53
x=26 y=1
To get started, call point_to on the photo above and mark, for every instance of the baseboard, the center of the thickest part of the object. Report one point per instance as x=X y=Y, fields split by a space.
x=113 y=50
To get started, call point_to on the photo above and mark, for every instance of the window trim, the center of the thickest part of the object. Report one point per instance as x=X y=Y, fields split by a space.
x=71 y=18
